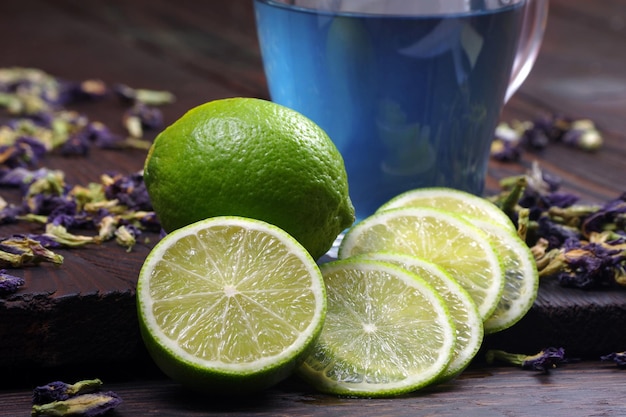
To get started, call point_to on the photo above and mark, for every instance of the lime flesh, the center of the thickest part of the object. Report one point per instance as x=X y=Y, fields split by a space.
x=520 y=274
x=463 y=310
x=229 y=304
x=443 y=238
x=387 y=332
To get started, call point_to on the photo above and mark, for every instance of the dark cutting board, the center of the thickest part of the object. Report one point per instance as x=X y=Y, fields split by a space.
x=585 y=323
x=84 y=310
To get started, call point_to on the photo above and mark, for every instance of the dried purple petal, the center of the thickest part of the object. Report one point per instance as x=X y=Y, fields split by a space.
x=86 y=405
x=582 y=134
x=543 y=361
x=149 y=97
x=558 y=199
x=15 y=177
x=149 y=221
x=19 y=250
x=58 y=390
x=10 y=213
x=44 y=204
x=54 y=391
x=535 y=139
x=72 y=92
x=76 y=145
x=556 y=234
x=590 y=265
x=129 y=191
x=23 y=152
x=612 y=213
x=9 y=283
x=618 y=357
x=43 y=240
x=149 y=117
x=102 y=136
x=506 y=151
x=63 y=214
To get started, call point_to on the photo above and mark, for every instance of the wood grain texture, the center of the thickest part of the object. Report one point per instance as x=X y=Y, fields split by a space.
x=207 y=50
x=581 y=389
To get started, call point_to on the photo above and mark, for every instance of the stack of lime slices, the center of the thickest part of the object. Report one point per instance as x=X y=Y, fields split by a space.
x=231 y=304
x=463 y=247
x=521 y=279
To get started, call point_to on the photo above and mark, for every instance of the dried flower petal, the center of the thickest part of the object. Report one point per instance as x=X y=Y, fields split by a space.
x=149 y=117
x=129 y=191
x=149 y=97
x=18 y=251
x=60 y=234
x=612 y=213
x=9 y=283
x=58 y=390
x=511 y=140
x=618 y=357
x=86 y=405
x=543 y=361
x=125 y=235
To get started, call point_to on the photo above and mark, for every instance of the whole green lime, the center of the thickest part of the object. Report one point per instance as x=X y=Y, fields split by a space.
x=251 y=158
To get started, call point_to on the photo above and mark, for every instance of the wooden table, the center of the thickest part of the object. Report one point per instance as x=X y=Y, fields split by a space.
x=207 y=50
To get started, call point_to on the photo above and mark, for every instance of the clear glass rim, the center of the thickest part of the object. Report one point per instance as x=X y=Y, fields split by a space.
x=396 y=8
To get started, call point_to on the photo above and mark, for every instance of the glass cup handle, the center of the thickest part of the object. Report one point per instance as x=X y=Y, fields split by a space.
x=535 y=18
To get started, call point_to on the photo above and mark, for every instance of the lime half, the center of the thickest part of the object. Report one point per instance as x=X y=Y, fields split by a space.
x=229 y=304
x=387 y=332
x=443 y=238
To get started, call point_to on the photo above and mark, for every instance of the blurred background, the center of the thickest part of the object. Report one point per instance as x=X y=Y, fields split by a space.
x=208 y=50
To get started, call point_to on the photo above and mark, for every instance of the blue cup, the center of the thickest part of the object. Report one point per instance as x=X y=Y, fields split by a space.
x=410 y=91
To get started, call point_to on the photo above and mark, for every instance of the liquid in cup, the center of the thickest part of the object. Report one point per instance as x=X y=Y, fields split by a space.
x=410 y=100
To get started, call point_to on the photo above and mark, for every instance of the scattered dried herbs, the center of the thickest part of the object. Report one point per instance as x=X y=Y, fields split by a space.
x=511 y=140
x=41 y=122
x=118 y=207
x=580 y=245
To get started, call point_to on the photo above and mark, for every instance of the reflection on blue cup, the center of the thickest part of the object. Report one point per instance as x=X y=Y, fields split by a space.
x=410 y=91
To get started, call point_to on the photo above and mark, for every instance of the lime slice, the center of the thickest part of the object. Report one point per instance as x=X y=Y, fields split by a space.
x=463 y=310
x=387 y=332
x=443 y=238
x=229 y=304
x=521 y=278
x=450 y=199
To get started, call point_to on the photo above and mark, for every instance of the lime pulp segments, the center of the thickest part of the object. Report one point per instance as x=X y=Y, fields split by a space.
x=443 y=238
x=229 y=304
x=387 y=332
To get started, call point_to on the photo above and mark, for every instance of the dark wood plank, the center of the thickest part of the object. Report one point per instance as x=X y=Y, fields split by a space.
x=583 y=389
